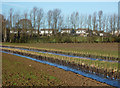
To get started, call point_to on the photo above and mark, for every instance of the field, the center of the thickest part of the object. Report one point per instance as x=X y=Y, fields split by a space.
x=107 y=69
x=97 y=49
x=18 y=71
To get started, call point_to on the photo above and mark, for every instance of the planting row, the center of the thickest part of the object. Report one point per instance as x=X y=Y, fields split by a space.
x=74 y=53
x=101 y=68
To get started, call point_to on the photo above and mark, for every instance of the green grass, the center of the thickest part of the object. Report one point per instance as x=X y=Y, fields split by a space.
x=52 y=77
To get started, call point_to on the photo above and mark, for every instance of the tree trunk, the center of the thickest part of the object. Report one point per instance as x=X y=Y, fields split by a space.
x=5 y=35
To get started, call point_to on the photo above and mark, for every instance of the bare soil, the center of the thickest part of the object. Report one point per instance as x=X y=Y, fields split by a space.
x=19 y=71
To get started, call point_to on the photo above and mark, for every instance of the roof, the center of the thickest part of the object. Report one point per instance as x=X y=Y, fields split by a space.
x=101 y=31
x=65 y=29
x=47 y=29
x=95 y=30
x=81 y=29
x=98 y=31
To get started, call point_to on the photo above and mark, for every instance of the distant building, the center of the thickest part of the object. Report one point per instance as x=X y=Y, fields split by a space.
x=116 y=32
x=46 y=31
x=101 y=33
x=81 y=30
x=14 y=32
x=35 y=31
x=95 y=32
x=66 y=30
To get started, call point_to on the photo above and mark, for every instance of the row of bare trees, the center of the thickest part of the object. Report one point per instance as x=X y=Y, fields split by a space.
x=53 y=19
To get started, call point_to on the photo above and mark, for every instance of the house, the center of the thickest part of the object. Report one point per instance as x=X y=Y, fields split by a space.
x=13 y=32
x=46 y=31
x=35 y=31
x=82 y=31
x=99 y=33
x=95 y=32
x=66 y=31
x=116 y=32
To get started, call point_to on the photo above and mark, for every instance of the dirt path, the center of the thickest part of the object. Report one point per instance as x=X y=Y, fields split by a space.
x=49 y=75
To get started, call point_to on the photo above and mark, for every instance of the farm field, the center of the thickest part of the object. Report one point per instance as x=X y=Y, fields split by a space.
x=106 y=68
x=98 y=49
x=60 y=44
x=109 y=68
x=19 y=71
x=86 y=62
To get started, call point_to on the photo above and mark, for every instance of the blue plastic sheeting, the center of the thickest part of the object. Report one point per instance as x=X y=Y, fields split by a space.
x=115 y=83
x=62 y=54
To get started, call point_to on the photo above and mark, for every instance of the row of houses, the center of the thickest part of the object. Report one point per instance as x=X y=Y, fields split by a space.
x=80 y=31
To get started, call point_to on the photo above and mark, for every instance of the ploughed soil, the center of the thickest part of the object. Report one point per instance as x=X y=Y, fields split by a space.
x=93 y=48
x=19 y=71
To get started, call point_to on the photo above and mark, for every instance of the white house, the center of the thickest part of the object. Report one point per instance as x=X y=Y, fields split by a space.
x=65 y=30
x=46 y=31
x=101 y=34
x=81 y=31
x=95 y=32
x=14 y=32
x=35 y=31
x=116 y=32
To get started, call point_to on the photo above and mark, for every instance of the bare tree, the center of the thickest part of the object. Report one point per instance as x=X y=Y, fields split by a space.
x=75 y=19
x=56 y=14
x=118 y=23
x=8 y=24
x=111 y=23
x=81 y=20
x=39 y=18
x=103 y=23
x=67 y=23
x=31 y=31
x=3 y=27
x=85 y=21
x=89 y=22
x=107 y=23
x=72 y=19
x=34 y=16
x=94 y=21
x=100 y=13
x=11 y=13
x=44 y=21
x=25 y=17
x=15 y=20
x=49 y=18
x=60 y=22
x=114 y=22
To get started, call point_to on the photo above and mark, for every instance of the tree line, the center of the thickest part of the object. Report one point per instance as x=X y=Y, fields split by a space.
x=37 y=19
